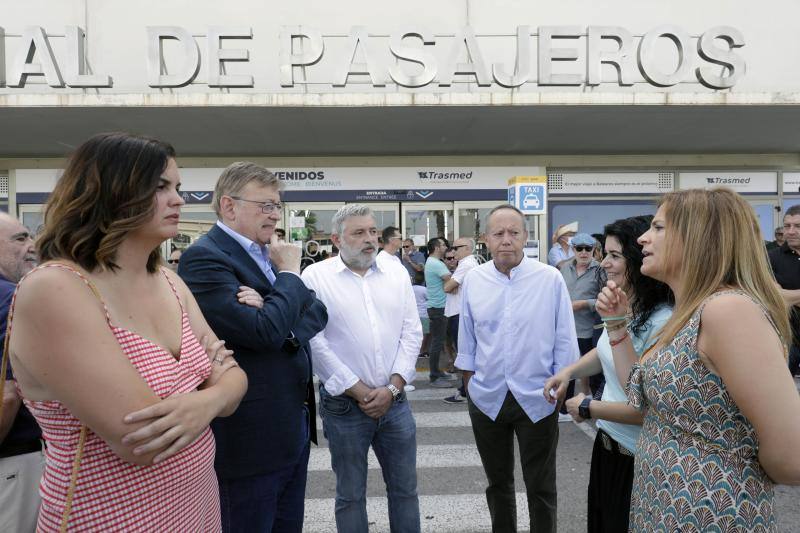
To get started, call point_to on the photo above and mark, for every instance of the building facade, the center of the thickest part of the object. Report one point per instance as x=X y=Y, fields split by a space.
x=424 y=110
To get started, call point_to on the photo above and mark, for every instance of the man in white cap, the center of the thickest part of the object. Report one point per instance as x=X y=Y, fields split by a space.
x=562 y=250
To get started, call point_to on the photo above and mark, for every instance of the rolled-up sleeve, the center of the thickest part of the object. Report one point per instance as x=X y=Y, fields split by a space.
x=335 y=375
x=405 y=364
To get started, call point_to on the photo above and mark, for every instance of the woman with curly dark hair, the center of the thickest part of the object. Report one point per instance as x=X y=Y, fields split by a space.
x=619 y=424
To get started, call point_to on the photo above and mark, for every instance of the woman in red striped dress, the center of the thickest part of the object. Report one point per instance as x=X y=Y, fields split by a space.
x=104 y=344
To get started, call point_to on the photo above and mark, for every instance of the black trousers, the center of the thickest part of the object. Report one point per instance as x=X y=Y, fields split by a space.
x=610 y=482
x=438 y=334
x=537 y=445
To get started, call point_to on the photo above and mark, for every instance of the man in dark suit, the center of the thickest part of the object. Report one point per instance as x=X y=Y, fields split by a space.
x=253 y=297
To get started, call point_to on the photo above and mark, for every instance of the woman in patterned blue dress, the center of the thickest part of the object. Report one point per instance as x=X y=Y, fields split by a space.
x=722 y=414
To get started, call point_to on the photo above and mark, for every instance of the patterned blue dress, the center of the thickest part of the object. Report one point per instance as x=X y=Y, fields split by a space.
x=697 y=466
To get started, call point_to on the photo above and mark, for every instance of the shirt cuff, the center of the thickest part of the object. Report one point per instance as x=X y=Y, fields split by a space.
x=465 y=362
x=407 y=373
x=337 y=385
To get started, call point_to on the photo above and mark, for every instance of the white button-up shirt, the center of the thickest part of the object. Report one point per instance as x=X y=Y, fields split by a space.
x=383 y=255
x=452 y=305
x=514 y=333
x=373 y=328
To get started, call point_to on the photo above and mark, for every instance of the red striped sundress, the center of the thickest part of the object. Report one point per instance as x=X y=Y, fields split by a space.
x=178 y=494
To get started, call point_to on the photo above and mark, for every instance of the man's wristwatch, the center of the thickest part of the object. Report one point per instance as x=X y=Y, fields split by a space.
x=394 y=390
x=583 y=408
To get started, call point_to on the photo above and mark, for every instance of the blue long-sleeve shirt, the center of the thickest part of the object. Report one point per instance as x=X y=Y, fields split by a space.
x=514 y=333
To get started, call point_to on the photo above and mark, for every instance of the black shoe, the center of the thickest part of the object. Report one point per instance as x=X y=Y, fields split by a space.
x=455 y=398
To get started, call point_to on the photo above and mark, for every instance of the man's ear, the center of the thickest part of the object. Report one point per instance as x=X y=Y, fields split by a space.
x=226 y=208
x=336 y=240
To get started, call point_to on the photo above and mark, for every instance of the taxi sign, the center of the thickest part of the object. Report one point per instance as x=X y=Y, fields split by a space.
x=528 y=194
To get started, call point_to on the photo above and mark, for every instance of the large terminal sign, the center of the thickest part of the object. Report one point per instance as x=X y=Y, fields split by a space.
x=546 y=56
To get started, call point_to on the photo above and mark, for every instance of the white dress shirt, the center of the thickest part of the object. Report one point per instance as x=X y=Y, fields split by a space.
x=383 y=255
x=373 y=328
x=452 y=305
x=514 y=334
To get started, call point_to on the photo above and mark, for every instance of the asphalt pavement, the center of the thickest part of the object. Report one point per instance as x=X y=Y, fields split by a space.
x=451 y=481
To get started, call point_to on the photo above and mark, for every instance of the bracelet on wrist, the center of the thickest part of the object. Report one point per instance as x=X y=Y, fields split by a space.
x=619 y=340
x=618 y=326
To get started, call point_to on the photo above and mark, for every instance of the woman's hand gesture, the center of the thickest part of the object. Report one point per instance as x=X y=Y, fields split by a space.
x=612 y=301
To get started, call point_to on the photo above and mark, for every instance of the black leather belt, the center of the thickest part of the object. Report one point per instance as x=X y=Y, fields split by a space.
x=20 y=448
x=613 y=446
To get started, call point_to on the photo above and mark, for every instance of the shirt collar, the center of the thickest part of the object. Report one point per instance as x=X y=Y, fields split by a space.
x=785 y=248
x=246 y=243
x=514 y=271
x=339 y=266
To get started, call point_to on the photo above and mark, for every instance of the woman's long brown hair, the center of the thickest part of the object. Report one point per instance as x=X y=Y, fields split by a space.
x=106 y=191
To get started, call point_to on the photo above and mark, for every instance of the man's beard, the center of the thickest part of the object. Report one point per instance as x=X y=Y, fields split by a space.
x=355 y=258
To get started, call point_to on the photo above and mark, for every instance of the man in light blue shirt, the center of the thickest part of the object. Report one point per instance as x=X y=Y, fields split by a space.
x=516 y=330
x=436 y=273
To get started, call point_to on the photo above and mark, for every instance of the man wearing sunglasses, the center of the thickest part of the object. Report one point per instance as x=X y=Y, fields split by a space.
x=413 y=260
x=581 y=276
x=463 y=250
x=174 y=260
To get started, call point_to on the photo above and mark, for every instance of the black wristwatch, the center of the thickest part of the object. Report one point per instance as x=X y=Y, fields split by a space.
x=583 y=408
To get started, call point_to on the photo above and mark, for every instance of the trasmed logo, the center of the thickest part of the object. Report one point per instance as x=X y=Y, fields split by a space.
x=432 y=175
x=728 y=181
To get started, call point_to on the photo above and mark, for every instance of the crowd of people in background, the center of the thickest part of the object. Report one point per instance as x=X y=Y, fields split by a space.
x=672 y=331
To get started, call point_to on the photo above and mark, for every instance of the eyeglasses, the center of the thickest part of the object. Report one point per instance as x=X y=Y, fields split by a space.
x=456 y=247
x=406 y=246
x=450 y=258
x=266 y=207
x=173 y=261
x=583 y=248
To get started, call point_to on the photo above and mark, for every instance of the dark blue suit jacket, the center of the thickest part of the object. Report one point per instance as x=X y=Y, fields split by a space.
x=267 y=431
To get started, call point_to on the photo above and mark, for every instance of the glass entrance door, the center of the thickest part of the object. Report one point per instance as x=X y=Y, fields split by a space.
x=32 y=217
x=310 y=226
x=470 y=220
x=386 y=214
x=422 y=222
x=769 y=217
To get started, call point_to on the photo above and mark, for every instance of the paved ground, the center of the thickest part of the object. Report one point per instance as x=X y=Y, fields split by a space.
x=451 y=479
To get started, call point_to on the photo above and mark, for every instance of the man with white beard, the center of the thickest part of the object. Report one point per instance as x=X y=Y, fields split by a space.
x=364 y=358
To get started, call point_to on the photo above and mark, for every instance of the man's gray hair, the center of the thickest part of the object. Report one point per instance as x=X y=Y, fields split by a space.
x=472 y=245
x=236 y=177
x=349 y=210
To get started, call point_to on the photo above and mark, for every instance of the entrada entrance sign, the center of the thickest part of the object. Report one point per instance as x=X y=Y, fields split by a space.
x=410 y=57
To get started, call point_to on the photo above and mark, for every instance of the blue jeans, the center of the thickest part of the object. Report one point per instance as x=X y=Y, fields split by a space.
x=393 y=437
x=273 y=502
